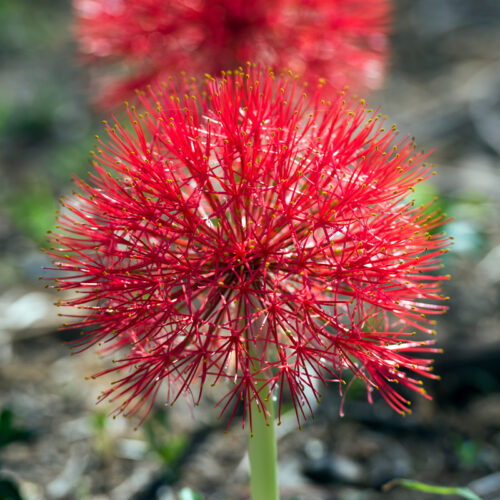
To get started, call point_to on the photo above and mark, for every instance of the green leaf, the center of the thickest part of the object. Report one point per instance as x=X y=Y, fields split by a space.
x=189 y=494
x=9 y=490
x=9 y=432
x=31 y=210
x=169 y=447
x=429 y=488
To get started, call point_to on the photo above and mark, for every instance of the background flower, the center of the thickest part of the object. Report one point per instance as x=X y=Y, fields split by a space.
x=242 y=232
x=343 y=41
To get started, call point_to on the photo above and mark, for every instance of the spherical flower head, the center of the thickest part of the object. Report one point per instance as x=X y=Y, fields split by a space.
x=343 y=41
x=247 y=234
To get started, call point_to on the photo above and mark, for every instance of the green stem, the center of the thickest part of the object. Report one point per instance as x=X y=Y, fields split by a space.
x=262 y=451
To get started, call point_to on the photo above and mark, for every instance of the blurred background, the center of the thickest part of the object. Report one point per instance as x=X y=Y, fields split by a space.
x=443 y=87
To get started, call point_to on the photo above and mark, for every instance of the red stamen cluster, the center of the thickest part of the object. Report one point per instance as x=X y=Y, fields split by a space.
x=344 y=41
x=243 y=232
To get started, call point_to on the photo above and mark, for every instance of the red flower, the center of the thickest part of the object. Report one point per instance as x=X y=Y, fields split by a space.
x=243 y=233
x=343 y=41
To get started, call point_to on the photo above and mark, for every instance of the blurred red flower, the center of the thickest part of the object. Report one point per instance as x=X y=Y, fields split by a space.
x=343 y=41
x=244 y=232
